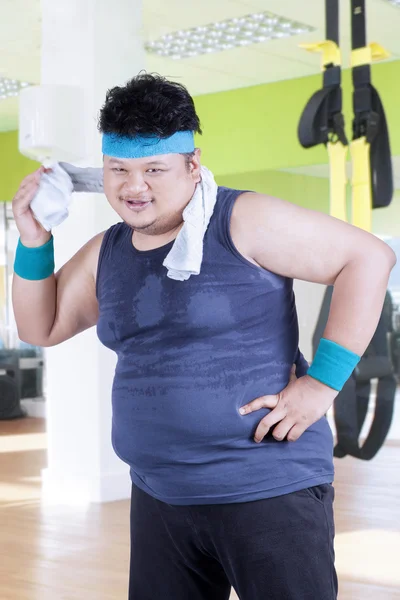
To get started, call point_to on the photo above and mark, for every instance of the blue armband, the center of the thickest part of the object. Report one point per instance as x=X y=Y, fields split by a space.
x=333 y=364
x=34 y=264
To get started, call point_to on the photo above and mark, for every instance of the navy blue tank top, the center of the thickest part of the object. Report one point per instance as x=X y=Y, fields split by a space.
x=190 y=354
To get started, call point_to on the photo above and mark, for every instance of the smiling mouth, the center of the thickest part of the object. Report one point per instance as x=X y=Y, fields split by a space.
x=136 y=201
x=137 y=204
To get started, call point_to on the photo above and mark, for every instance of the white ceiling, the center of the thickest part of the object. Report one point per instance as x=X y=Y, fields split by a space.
x=240 y=67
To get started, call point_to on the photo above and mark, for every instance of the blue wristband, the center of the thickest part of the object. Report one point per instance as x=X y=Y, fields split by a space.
x=333 y=364
x=34 y=264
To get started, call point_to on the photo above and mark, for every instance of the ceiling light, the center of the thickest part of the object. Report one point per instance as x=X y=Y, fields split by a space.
x=11 y=87
x=395 y=2
x=216 y=37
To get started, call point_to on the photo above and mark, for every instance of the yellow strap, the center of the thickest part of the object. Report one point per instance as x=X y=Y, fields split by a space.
x=330 y=52
x=338 y=180
x=365 y=56
x=361 y=183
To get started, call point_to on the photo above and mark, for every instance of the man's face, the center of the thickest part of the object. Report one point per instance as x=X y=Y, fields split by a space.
x=150 y=194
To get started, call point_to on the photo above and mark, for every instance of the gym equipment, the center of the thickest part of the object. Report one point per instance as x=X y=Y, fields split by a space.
x=351 y=405
x=10 y=385
x=322 y=121
x=372 y=181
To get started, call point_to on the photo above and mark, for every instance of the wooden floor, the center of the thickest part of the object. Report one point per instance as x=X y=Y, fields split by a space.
x=75 y=553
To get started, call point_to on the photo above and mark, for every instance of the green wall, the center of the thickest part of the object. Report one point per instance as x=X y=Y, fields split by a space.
x=249 y=134
x=255 y=129
x=310 y=192
x=313 y=193
x=13 y=166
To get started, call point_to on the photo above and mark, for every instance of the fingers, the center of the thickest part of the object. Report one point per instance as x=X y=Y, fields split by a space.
x=282 y=430
x=277 y=415
x=26 y=192
x=26 y=187
x=274 y=417
x=295 y=432
x=32 y=177
x=23 y=199
x=262 y=402
x=266 y=401
x=297 y=407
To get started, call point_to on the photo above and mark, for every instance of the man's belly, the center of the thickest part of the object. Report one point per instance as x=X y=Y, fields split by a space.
x=189 y=440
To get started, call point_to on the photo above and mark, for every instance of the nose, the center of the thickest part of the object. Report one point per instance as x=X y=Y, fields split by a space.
x=135 y=184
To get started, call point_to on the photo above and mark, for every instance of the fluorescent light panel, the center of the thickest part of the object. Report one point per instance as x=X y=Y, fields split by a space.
x=11 y=87
x=394 y=2
x=224 y=35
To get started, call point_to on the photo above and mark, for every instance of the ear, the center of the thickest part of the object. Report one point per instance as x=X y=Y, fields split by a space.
x=195 y=166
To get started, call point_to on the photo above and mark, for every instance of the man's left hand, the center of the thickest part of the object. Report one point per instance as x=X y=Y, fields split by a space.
x=303 y=402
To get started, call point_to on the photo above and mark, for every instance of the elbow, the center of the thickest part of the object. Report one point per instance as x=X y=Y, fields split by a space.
x=387 y=257
x=392 y=258
x=382 y=259
x=375 y=258
x=34 y=341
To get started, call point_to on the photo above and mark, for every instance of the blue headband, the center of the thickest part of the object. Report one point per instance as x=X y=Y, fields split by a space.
x=120 y=146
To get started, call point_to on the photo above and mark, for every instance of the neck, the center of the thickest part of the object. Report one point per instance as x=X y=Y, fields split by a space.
x=142 y=241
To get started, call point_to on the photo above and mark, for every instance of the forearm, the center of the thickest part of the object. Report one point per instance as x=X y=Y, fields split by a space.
x=357 y=300
x=34 y=304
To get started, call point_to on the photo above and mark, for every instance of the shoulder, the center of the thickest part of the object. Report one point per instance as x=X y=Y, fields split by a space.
x=256 y=216
x=249 y=206
x=249 y=219
x=79 y=273
x=93 y=246
x=87 y=257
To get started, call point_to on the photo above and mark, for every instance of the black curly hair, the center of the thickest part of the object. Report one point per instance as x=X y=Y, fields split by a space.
x=149 y=104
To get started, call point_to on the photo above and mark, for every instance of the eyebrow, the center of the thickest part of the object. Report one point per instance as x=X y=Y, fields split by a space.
x=156 y=162
x=116 y=161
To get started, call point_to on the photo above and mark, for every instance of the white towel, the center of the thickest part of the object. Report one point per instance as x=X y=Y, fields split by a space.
x=51 y=203
x=85 y=179
x=186 y=255
x=51 y=207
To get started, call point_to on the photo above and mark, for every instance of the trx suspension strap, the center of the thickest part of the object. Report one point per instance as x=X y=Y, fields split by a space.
x=372 y=187
x=351 y=405
x=322 y=120
x=370 y=148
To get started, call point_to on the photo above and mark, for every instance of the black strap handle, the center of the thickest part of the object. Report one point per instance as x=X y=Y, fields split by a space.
x=358 y=24
x=332 y=20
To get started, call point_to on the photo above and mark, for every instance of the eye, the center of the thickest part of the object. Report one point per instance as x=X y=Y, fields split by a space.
x=151 y=171
x=118 y=170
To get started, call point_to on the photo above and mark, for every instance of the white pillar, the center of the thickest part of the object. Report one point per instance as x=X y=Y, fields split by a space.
x=95 y=45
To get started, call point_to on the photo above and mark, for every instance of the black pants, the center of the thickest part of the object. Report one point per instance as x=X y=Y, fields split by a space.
x=275 y=549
